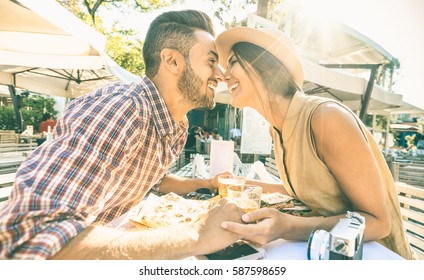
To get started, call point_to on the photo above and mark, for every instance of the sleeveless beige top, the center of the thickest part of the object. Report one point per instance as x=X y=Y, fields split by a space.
x=306 y=177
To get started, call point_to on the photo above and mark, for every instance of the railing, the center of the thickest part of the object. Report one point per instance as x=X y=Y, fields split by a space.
x=271 y=167
x=17 y=147
x=411 y=200
x=8 y=136
x=409 y=171
x=6 y=183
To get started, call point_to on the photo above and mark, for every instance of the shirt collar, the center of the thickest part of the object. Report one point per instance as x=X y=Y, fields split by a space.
x=162 y=118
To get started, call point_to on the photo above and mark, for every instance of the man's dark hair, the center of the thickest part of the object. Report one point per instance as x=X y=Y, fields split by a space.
x=173 y=30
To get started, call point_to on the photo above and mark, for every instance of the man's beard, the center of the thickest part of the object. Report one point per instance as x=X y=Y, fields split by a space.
x=190 y=87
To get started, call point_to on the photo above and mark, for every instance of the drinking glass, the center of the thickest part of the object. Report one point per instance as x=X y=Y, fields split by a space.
x=247 y=197
x=229 y=180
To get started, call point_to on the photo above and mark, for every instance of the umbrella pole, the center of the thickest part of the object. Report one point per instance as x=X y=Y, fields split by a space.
x=17 y=105
x=367 y=95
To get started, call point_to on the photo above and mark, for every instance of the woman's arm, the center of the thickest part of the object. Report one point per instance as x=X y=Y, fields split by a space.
x=268 y=187
x=343 y=148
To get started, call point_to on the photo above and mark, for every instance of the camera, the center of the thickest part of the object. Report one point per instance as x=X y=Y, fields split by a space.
x=343 y=242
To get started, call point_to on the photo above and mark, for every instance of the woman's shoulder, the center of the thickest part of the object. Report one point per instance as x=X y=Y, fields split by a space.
x=330 y=119
x=332 y=111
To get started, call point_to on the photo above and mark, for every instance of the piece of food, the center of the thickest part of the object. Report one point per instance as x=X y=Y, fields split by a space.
x=200 y=194
x=169 y=209
x=284 y=203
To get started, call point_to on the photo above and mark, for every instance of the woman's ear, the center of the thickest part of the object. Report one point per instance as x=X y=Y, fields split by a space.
x=172 y=60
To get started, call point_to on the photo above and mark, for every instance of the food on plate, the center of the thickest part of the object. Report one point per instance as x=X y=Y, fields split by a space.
x=169 y=209
x=284 y=203
x=200 y=194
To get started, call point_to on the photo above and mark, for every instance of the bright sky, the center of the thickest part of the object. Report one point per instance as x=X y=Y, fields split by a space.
x=396 y=25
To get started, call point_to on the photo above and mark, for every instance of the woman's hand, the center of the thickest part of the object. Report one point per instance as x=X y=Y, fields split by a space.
x=212 y=237
x=261 y=226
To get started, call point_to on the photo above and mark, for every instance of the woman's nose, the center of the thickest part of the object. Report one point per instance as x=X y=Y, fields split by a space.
x=227 y=75
x=218 y=74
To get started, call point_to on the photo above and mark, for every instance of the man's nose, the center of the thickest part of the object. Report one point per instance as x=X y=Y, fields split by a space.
x=218 y=74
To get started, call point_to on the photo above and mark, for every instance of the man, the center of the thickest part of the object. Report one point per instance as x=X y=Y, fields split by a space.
x=110 y=148
x=235 y=135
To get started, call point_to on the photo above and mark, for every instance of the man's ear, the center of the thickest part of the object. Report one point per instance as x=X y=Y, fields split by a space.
x=172 y=60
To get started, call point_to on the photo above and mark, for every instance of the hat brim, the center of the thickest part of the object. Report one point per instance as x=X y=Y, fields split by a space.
x=273 y=41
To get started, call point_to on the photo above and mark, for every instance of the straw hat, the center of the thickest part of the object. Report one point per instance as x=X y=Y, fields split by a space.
x=272 y=40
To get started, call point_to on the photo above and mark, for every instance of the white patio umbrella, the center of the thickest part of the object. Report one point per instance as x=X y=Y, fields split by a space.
x=46 y=49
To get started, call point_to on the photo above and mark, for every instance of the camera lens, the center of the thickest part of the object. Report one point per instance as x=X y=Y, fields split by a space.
x=318 y=245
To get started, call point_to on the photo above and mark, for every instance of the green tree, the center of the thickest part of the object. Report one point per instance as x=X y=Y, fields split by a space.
x=123 y=47
x=122 y=44
x=8 y=119
x=224 y=8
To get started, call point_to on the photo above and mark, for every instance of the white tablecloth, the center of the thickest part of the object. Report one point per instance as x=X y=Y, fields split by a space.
x=297 y=250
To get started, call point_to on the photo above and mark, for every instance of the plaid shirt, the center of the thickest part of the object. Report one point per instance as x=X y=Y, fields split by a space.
x=110 y=148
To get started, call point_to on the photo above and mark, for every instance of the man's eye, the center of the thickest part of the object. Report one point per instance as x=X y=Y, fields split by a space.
x=212 y=60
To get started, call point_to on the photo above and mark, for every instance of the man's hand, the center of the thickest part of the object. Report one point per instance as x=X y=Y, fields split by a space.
x=214 y=181
x=212 y=237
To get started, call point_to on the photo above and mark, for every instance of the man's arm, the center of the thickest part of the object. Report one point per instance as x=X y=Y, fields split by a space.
x=206 y=236
x=100 y=242
x=182 y=185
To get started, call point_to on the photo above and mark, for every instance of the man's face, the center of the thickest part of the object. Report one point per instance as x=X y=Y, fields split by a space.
x=201 y=73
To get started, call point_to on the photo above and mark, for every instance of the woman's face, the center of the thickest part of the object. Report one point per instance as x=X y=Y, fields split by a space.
x=243 y=89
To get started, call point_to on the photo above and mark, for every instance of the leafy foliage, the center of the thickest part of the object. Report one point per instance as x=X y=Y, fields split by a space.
x=122 y=43
x=126 y=51
x=227 y=7
x=381 y=121
x=91 y=7
x=8 y=119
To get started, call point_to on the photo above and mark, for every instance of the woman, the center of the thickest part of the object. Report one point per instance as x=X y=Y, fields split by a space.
x=263 y=71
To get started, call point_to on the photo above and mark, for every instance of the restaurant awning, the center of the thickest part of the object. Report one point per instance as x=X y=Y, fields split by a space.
x=338 y=62
x=346 y=88
x=404 y=108
x=342 y=86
